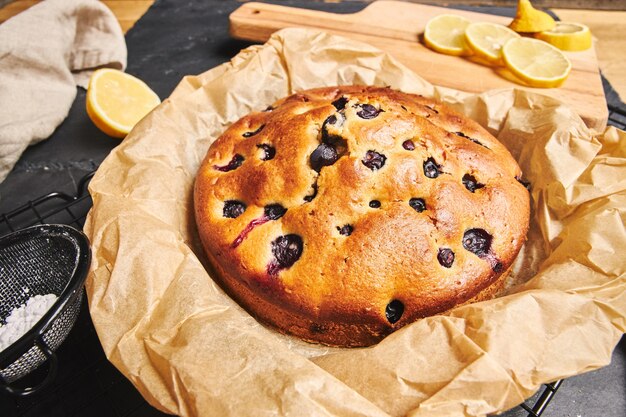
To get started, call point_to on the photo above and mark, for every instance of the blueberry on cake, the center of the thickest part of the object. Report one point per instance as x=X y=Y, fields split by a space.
x=341 y=214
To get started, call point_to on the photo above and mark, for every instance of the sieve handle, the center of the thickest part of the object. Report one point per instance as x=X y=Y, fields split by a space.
x=52 y=371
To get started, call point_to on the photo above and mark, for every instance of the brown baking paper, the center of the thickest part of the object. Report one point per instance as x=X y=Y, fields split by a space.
x=190 y=350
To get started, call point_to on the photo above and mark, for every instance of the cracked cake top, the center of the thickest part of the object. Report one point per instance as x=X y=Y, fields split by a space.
x=342 y=214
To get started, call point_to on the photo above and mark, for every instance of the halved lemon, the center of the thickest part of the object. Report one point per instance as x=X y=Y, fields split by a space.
x=536 y=62
x=568 y=36
x=445 y=33
x=116 y=101
x=487 y=39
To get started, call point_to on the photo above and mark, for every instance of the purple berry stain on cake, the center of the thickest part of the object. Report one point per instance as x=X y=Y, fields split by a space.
x=335 y=120
x=268 y=151
x=471 y=183
x=286 y=249
x=445 y=256
x=478 y=241
x=417 y=204
x=463 y=135
x=374 y=160
x=345 y=230
x=394 y=311
x=493 y=261
x=367 y=111
x=233 y=164
x=233 y=209
x=340 y=103
x=431 y=168
x=270 y=212
x=274 y=211
x=250 y=134
x=310 y=197
x=324 y=155
x=330 y=120
x=408 y=145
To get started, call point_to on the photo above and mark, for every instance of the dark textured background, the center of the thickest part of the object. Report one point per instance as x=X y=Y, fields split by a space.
x=173 y=39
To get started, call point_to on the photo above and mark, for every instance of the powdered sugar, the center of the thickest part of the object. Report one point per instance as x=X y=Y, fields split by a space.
x=23 y=318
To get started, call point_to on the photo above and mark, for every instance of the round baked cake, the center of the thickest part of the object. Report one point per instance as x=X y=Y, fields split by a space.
x=341 y=214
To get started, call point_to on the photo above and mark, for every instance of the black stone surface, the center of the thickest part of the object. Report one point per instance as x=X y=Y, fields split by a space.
x=173 y=39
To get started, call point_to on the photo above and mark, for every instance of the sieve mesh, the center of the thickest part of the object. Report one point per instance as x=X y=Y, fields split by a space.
x=45 y=259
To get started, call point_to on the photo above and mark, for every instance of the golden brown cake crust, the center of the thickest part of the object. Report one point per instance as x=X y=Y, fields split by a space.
x=342 y=214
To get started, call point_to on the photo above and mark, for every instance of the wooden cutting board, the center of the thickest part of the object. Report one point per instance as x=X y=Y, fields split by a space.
x=396 y=27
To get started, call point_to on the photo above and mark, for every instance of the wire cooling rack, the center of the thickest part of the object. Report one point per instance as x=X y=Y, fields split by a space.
x=102 y=387
x=54 y=207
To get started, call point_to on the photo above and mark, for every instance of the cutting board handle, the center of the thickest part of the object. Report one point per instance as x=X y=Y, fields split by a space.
x=257 y=21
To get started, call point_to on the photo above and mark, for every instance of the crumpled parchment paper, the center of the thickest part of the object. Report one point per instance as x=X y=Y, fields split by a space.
x=191 y=351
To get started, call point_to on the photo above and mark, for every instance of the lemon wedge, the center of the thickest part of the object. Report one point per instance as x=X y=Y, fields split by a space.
x=536 y=62
x=445 y=33
x=116 y=101
x=568 y=36
x=529 y=19
x=487 y=40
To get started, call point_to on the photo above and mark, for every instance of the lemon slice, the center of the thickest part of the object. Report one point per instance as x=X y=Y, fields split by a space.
x=568 y=36
x=529 y=19
x=116 y=101
x=487 y=40
x=536 y=62
x=445 y=33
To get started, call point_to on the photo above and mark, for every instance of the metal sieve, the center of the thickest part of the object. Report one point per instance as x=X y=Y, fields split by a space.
x=39 y=260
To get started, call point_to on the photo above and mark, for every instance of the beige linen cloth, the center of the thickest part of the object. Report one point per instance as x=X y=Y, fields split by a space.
x=45 y=52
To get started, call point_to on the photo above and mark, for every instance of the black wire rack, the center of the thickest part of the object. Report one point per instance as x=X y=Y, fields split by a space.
x=110 y=388
x=52 y=208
